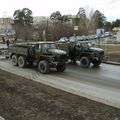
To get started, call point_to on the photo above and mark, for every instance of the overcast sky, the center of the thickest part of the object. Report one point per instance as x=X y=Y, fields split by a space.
x=110 y=8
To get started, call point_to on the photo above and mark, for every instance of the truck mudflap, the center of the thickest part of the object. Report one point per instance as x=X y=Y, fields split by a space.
x=105 y=58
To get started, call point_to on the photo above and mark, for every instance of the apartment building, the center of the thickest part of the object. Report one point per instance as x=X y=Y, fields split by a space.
x=5 y=26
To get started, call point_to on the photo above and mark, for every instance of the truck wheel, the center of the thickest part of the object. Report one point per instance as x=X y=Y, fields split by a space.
x=85 y=62
x=61 y=68
x=96 y=63
x=22 y=62
x=43 y=67
x=14 y=60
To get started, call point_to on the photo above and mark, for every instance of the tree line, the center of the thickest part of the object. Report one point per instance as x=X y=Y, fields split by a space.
x=57 y=25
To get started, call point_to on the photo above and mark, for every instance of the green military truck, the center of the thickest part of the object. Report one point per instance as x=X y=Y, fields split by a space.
x=45 y=55
x=82 y=51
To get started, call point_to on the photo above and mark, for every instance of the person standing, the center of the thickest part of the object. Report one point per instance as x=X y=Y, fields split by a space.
x=8 y=43
x=3 y=39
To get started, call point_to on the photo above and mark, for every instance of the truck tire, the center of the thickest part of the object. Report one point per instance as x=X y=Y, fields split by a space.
x=85 y=62
x=96 y=63
x=43 y=67
x=14 y=60
x=22 y=61
x=61 y=68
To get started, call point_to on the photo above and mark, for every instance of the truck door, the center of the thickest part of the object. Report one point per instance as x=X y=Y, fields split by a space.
x=37 y=51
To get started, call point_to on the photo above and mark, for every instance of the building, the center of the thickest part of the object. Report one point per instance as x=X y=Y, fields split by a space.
x=115 y=29
x=5 y=26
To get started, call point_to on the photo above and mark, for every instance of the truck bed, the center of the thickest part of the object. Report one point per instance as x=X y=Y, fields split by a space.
x=20 y=49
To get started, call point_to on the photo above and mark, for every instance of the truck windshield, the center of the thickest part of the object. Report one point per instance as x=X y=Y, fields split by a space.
x=48 y=46
x=87 y=45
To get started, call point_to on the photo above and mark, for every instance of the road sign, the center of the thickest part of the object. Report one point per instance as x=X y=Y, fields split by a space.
x=75 y=27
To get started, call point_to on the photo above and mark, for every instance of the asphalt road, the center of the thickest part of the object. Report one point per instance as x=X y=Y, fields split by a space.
x=100 y=84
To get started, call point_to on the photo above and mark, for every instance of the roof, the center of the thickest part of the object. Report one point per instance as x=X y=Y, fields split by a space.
x=33 y=43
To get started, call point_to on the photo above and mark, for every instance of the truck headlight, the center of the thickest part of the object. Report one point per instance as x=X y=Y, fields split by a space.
x=53 y=59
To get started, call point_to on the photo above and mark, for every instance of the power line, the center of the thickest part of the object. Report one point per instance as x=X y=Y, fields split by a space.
x=113 y=3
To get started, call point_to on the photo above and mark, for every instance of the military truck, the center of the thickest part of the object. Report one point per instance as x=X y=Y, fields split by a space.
x=45 y=55
x=82 y=51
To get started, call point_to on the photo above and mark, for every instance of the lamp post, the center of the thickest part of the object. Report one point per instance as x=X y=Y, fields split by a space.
x=44 y=35
x=45 y=31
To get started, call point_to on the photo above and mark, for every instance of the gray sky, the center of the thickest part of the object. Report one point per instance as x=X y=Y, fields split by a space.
x=110 y=8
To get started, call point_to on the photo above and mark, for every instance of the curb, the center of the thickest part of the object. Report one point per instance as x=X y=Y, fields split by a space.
x=110 y=62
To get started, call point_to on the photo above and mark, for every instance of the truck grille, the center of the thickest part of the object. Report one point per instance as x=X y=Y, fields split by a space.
x=62 y=58
x=101 y=53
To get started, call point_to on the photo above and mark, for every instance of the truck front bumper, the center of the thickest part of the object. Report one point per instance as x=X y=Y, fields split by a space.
x=54 y=64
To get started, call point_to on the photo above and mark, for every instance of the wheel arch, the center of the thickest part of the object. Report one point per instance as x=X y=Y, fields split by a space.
x=41 y=58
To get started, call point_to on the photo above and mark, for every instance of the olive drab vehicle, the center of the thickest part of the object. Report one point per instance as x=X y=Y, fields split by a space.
x=45 y=55
x=82 y=51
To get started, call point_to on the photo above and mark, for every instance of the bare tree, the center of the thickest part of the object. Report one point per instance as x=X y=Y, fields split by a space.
x=89 y=20
x=60 y=25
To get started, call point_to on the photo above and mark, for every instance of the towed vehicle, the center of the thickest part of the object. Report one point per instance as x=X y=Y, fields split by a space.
x=82 y=51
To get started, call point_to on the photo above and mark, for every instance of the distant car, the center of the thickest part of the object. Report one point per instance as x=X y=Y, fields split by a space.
x=94 y=36
x=63 y=39
x=72 y=39
x=107 y=34
x=79 y=38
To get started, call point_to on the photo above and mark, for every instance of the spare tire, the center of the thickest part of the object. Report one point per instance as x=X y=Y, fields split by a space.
x=85 y=62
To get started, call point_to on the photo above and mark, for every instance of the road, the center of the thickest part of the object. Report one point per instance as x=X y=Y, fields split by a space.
x=100 y=84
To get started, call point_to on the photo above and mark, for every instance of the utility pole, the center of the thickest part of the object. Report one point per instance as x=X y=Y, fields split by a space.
x=45 y=31
x=44 y=35
x=47 y=28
